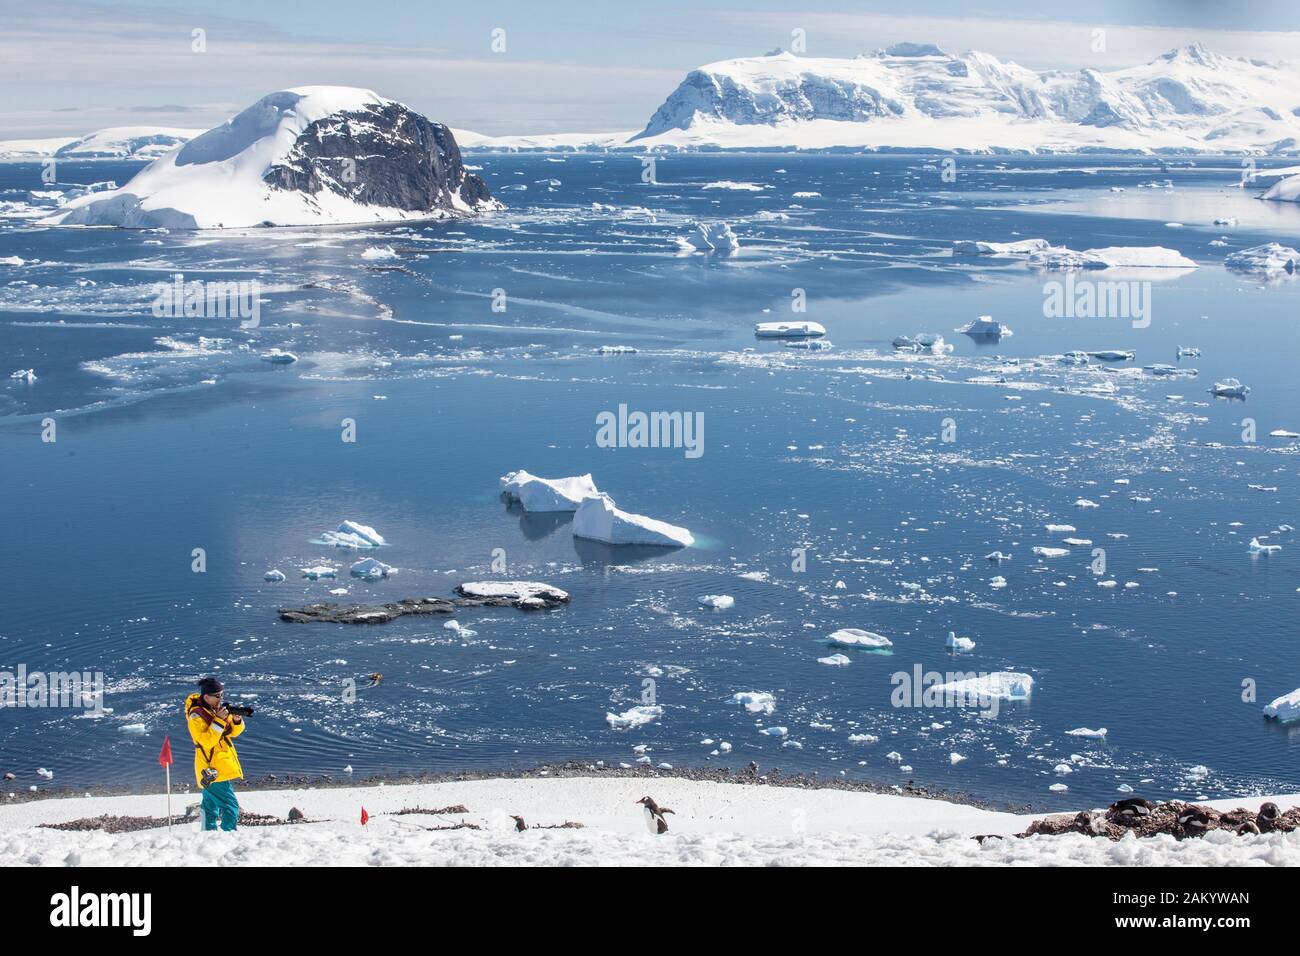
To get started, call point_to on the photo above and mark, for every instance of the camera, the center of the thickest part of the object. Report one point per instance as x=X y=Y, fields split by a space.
x=206 y=777
x=235 y=710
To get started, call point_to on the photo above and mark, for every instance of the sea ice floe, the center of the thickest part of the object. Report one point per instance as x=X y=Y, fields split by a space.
x=1110 y=257
x=1022 y=247
x=598 y=519
x=277 y=357
x=1270 y=259
x=1087 y=732
x=997 y=582
x=635 y=717
x=755 y=701
x=955 y=758
x=785 y=330
x=460 y=629
x=835 y=660
x=1058 y=788
x=1044 y=552
x=275 y=576
x=863 y=739
x=318 y=572
x=857 y=638
x=997 y=556
x=719 y=601
x=774 y=731
x=985 y=327
x=547 y=494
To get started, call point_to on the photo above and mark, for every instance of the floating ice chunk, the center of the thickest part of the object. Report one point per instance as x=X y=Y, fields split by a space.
x=985 y=327
x=45 y=774
x=1061 y=528
x=24 y=375
x=1058 y=788
x=921 y=342
x=461 y=630
x=959 y=643
x=635 y=717
x=835 y=660
x=1283 y=433
x=1270 y=259
x=1230 y=388
x=785 y=330
x=1258 y=547
x=1002 y=685
x=811 y=345
x=997 y=556
x=710 y=237
x=1114 y=355
x=277 y=357
x=547 y=494
x=894 y=755
x=1100 y=732
x=998 y=582
x=1110 y=257
x=274 y=575
x=863 y=739
x=1286 y=708
x=1043 y=552
x=1188 y=352
x=1063 y=768
x=775 y=731
x=725 y=747
x=854 y=637
x=735 y=186
x=132 y=728
x=719 y=601
x=1107 y=584
x=11 y=261
x=1022 y=247
x=1074 y=358
x=318 y=572
x=373 y=569
x=599 y=519
x=352 y=534
x=955 y=758
x=755 y=701
x=1078 y=542
x=615 y=350
x=1086 y=503
x=526 y=593
x=807 y=195
x=379 y=252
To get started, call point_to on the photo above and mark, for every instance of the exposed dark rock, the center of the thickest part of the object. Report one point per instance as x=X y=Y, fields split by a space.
x=1177 y=819
x=383 y=613
x=382 y=155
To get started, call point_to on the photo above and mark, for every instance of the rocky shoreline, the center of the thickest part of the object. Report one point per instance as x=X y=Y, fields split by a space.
x=524 y=595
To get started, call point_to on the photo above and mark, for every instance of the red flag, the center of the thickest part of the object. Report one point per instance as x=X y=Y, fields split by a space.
x=365 y=817
x=165 y=755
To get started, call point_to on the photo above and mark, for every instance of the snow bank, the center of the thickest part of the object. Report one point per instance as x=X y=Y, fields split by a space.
x=713 y=823
x=547 y=494
x=598 y=519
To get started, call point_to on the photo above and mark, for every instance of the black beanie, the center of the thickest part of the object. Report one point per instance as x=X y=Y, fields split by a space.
x=210 y=685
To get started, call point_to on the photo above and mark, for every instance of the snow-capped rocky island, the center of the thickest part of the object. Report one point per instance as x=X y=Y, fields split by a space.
x=306 y=156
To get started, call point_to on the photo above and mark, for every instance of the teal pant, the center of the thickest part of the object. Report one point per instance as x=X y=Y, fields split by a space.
x=219 y=801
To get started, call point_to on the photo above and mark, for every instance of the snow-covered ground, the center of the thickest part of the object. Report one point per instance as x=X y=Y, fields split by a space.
x=712 y=824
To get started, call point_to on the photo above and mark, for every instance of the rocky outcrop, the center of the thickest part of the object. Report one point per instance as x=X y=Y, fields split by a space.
x=532 y=598
x=1179 y=820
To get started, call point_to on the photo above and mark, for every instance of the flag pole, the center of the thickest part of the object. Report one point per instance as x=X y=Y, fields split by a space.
x=169 y=797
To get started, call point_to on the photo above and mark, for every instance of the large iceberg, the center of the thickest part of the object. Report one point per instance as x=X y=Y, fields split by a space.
x=547 y=494
x=598 y=519
x=1111 y=257
x=1000 y=685
x=353 y=534
x=1024 y=247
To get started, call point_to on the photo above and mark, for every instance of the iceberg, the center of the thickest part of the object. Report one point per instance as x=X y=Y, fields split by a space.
x=985 y=327
x=1023 y=247
x=636 y=717
x=1286 y=708
x=1257 y=547
x=1270 y=259
x=997 y=556
x=373 y=569
x=719 y=601
x=27 y=375
x=277 y=357
x=318 y=572
x=921 y=342
x=598 y=519
x=787 y=330
x=1043 y=552
x=856 y=638
x=547 y=494
x=1230 y=388
x=835 y=660
x=1074 y=358
x=755 y=701
x=1284 y=190
x=956 y=643
x=1000 y=685
x=352 y=534
x=275 y=576
x=710 y=237
x=1114 y=355
x=1100 y=732
x=1110 y=257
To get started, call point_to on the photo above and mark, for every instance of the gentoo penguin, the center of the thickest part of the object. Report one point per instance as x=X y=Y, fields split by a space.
x=520 y=825
x=654 y=816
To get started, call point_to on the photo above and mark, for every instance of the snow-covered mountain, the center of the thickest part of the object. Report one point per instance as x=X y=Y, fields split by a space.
x=917 y=96
x=117 y=142
x=305 y=156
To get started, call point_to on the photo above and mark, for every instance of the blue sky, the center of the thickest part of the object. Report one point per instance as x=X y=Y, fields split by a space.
x=70 y=66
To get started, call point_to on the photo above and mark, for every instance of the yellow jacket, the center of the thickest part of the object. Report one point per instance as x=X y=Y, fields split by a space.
x=213 y=738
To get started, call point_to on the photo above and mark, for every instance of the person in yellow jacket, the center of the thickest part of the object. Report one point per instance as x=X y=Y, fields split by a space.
x=216 y=764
